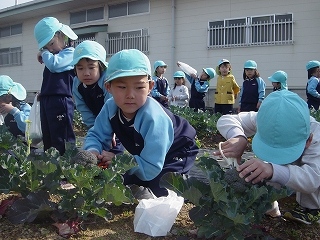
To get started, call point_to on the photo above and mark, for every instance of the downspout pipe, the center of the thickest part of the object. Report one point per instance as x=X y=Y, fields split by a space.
x=173 y=36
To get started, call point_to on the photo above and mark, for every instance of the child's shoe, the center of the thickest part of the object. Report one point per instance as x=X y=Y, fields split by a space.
x=303 y=215
x=274 y=210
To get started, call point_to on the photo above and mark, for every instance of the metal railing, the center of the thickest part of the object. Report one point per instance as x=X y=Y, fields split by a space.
x=243 y=35
x=115 y=44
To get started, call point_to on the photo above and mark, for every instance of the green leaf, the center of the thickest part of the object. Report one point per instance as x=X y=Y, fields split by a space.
x=45 y=167
x=31 y=207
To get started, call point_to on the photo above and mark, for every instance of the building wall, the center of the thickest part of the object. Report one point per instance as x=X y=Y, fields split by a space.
x=179 y=32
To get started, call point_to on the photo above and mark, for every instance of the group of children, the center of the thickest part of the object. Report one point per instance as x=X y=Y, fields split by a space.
x=119 y=102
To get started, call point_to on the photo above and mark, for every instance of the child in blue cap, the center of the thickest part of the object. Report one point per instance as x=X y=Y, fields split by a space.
x=279 y=80
x=88 y=89
x=56 y=104
x=227 y=88
x=179 y=94
x=160 y=141
x=199 y=86
x=14 y=110
x=161 y=87
x=313 y=84
x=253 y=88
x=286 y=143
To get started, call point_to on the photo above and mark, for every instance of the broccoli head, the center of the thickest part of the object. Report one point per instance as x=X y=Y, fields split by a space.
x=85 y=158
x=231 y=176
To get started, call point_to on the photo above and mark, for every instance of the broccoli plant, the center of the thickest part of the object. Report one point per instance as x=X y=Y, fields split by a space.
x=223 y=209
x=36 y=177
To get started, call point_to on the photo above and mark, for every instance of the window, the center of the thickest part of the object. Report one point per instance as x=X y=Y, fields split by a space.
x=11 y=30
x=138 y=39
x=87 y=15
x=10 y=56
x=250 y=31
x=129 y=8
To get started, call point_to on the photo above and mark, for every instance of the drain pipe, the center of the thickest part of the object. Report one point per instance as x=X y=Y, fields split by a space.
x=173 y=36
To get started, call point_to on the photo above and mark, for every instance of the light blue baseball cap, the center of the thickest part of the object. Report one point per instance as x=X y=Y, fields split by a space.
x=159 y=63
x=283 y=127
x=210 y=72
x=179 y=74
x=250 y=64
x=312 y=64
x=280 y=77
x=126 y=63
x=47 y=27
x=90 y=49
x=8 y=86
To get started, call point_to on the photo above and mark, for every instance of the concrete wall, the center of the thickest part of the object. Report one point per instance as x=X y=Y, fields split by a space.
x=178 y=31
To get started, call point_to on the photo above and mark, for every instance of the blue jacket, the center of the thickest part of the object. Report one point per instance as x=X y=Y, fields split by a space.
x=261 y=90
x=87 y=105
x=155 y=136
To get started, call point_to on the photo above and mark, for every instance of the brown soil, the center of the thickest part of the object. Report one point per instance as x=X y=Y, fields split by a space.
x=121 y=227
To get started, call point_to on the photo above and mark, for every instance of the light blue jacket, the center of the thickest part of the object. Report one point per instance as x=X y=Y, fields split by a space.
x=60 y=61
x=87 y=116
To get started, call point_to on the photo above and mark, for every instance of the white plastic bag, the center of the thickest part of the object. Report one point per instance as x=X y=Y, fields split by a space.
x=187 y=69
x=35 y=132
x=155 y=217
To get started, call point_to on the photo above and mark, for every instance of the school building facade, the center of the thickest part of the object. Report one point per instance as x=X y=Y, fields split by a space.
x=277 y=34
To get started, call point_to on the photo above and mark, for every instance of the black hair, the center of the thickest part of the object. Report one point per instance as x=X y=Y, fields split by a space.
x=256 y=74
x=102 y=67
x=311 y=71
x=183 y=83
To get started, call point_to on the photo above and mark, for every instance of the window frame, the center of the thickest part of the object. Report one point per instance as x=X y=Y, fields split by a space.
x=83 y=14
x=10 y=29
x=137 y=38
x=10 y=56
x=133 y=5
x=270 y=29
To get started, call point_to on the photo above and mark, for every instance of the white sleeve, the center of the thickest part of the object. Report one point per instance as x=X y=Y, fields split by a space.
x=242 y=124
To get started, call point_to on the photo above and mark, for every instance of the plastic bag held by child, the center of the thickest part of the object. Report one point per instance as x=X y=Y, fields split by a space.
x=155 y=217
x=34 y=117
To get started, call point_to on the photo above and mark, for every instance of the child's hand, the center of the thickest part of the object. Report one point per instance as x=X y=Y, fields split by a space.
x=5 y=108
x=178 y=64
x=256 y=170
x=193 y=75
x=39 y=57
x=233 y=148
x=105 y=158
x=164 y=98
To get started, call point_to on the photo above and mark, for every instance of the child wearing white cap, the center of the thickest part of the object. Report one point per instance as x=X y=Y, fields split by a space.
x=227 y=88
x=161 y=87
x=313 y=84
x=88 y=89
x=253 y=88
x=13 y=108
x=160 y=141
x=199 y=85
x=56 y=103
x=286 y=143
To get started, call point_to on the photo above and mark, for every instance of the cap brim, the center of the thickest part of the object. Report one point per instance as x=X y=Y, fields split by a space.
x=68 y=32
x=19 y=92
x=128 y=73
x=76 y=60
x=277 y=155
x=272 y=79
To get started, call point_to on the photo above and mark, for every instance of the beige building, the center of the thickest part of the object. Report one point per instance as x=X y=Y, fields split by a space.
x=278 y=35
